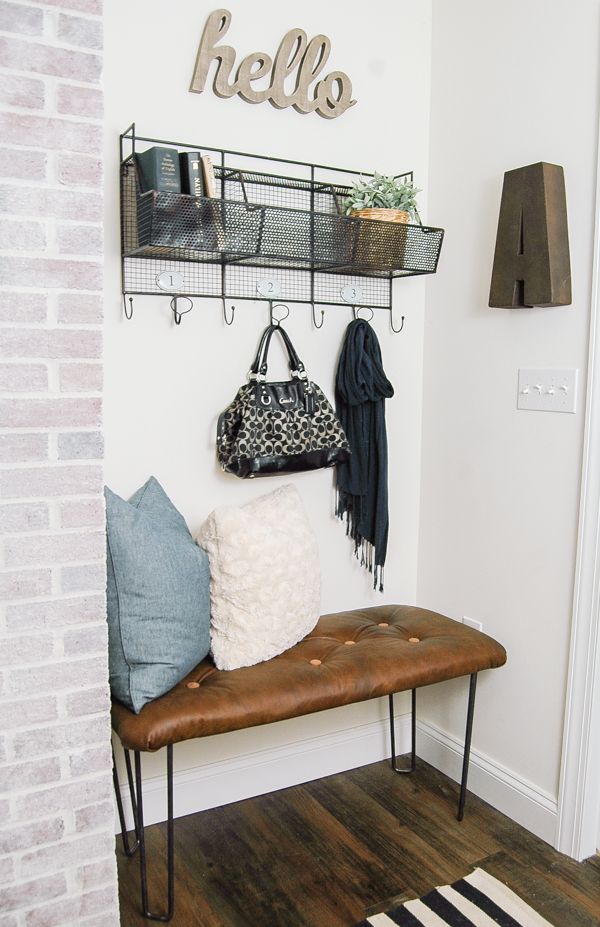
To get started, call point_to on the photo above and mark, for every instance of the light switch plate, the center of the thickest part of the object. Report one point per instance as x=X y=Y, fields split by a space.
x=547 y=390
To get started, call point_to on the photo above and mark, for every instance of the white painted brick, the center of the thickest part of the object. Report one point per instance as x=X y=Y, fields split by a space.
x=26 y=92
x=74 y=30
x=26 y=836
x=23 y=448
x=87 y=513
x=92 y=7
x=94 y=760
x=84 y=641
x=21 y=776
x=59 y=737
x=23 y=378
x=37 y=413
x=29 y=711
x=25 y=584
x=65 y=855
x=29 y=893
x=57 y=613
x=24 y=516
x=36 y=202
x=80 y=239
x=55 y=343
x=55 y=676
x=96 y=874
x=22 y=307
x=94 y=817
x=80 y=378
x=38 y=482
x=49 y=59
x=66 y=273
x=9 y=920
x=81 y=445
x=89 y=578
x=76 y=308
x=22 y=235
x=88 y=702
x=7 y=866
x=79 y=101
x=74 y=910
x=78 y=170
x=29 y=649
x=71 y=795
x=21 y=164
x=33 y=550
x=14 y=17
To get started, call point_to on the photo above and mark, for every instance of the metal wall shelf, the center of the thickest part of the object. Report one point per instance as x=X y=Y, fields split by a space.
x=267 y=236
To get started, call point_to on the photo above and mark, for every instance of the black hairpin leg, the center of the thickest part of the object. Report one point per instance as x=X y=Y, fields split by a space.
x=127 y=848
x=467 y=752
x=413 y=754
x=170 y=830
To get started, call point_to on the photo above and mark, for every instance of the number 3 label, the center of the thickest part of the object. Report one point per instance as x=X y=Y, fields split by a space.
x=351 y=294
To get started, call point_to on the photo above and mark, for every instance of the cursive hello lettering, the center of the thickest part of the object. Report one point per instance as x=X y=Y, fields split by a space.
x=331 y=97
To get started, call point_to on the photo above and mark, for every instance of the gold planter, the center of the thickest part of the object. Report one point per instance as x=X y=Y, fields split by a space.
x=380 y=245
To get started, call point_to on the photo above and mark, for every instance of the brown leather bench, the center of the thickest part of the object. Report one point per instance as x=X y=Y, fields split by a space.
x=348 y=657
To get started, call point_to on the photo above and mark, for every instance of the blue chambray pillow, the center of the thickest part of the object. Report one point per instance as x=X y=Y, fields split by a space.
x=158 y=596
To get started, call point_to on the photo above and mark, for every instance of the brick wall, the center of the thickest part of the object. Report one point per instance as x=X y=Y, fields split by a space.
x=56 y=817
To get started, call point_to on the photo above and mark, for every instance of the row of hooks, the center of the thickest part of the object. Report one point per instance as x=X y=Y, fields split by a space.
x=274 y=319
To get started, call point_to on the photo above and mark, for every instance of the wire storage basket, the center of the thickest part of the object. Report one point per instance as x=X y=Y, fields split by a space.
x=184 y=227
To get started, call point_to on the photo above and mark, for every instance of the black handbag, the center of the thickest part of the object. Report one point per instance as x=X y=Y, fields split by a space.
x=282 y=427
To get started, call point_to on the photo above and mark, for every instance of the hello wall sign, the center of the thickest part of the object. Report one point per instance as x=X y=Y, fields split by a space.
x=330 y=97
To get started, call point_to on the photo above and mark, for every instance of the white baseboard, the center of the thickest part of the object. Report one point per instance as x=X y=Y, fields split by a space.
x=520 y=800
x=215 y=784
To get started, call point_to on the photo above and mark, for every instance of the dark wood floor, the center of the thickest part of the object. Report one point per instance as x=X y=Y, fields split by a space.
x=327 y=853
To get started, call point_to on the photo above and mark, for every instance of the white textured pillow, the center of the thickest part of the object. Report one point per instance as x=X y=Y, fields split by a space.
x=265 y=583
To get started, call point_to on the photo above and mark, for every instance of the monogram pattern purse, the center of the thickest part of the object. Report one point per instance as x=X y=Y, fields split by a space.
x=280 y=427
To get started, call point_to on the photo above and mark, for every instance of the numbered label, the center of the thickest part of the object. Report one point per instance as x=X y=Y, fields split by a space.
x=351 y=294
x=269 y=286
x=170 y=280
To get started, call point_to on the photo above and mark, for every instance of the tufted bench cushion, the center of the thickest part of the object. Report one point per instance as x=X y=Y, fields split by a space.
x=348 y=657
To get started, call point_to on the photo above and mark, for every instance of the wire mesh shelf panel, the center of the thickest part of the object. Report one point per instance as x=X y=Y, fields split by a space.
x=367 y=291
x=198 y=278
x=290 y=285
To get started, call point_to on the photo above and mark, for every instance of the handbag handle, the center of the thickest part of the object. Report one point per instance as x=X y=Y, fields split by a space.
x=260 y=367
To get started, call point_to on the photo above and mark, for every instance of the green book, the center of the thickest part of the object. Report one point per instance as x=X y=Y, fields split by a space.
x=158 y=169
x=190 y=167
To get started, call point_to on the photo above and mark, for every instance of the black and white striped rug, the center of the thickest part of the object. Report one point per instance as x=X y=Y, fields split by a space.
x=478 y=900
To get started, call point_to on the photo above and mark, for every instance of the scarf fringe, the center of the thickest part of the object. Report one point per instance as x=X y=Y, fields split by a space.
x=364 y=550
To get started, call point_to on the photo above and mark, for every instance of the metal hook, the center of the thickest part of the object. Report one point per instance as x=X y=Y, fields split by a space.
x=176 y=313
x=396 y=330
x=356 y=311
x=128 y=315
x=225 y=319
x=274 y=319
x=315 y=318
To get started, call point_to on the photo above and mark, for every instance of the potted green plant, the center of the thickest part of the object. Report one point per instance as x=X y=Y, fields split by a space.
x=389 y=199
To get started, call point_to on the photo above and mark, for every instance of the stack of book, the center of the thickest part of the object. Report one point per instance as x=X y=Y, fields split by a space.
x=169 y=171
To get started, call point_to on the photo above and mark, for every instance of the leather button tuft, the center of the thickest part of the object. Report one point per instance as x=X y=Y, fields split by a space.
x=383 y=624
x=414 y=640
x=315 y=662
x=193 y=685
x=348 y=643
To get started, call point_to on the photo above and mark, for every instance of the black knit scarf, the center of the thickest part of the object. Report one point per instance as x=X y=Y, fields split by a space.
x=361 y=388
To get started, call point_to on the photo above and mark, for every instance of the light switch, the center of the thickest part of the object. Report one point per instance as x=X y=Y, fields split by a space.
x=546 y=390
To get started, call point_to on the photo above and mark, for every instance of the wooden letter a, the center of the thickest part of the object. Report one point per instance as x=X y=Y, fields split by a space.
x=531 y=264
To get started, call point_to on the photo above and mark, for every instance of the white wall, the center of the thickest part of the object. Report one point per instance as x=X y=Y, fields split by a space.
x=164 y=385
x=513 y=83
